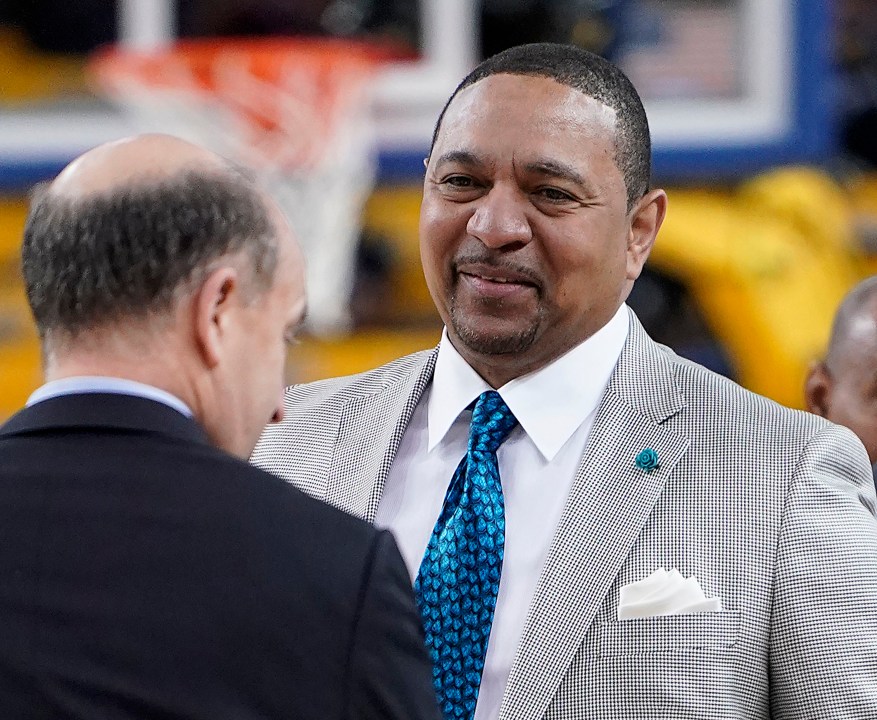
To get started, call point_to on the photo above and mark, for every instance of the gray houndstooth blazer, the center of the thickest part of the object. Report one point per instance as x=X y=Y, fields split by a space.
x=773 y=510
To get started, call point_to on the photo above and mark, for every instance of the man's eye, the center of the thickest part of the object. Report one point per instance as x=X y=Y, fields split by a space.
x=458 y=181
x=554 y=194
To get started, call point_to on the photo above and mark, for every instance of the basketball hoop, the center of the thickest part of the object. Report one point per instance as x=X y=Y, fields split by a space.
x=297 y=111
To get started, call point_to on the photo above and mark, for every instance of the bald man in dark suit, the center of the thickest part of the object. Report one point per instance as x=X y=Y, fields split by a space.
x=146 y=570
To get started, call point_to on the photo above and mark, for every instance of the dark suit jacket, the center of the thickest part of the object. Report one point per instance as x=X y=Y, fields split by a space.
x=146 y=574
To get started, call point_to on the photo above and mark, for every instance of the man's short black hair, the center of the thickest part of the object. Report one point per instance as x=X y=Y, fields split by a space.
x=128 y=253
x=591 y=75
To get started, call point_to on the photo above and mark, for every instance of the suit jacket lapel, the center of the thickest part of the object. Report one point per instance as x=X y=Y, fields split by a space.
x=370 y=430
x=607 y=507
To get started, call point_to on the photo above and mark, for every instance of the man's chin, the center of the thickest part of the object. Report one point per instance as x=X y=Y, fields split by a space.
x=484 y=340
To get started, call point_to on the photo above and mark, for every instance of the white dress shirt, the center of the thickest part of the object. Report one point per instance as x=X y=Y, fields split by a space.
x=555 y=407
x=84 y=384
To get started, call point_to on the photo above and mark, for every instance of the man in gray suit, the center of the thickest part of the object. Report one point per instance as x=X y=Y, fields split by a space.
x=665 y=543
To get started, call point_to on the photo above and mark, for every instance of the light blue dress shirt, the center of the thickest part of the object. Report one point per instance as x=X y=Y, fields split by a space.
x=100 y=384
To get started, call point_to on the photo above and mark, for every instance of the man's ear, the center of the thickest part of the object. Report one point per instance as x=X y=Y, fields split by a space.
x=817 y=389
x=216 y=296
x=646 y=218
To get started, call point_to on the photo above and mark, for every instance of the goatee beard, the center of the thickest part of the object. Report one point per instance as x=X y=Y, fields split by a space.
x=486 y=343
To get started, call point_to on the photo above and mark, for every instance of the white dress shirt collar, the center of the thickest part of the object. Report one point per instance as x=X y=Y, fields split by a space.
x=102 y=384
x=549 y=403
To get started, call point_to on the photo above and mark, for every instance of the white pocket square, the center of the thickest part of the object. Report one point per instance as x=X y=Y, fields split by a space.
x=664 y=593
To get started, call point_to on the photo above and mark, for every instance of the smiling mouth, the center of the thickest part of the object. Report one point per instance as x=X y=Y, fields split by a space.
x=495 y=273
x=496 y=288
x=496 y=279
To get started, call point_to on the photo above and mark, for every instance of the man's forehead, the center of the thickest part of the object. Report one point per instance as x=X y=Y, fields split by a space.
x=535 y=95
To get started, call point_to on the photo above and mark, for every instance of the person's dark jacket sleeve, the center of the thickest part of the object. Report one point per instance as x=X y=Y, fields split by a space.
x=390 y=672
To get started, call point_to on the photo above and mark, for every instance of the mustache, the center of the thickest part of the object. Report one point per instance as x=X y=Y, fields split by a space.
x=494 y=263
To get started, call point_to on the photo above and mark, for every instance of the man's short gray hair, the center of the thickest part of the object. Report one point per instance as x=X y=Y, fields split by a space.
x=127 y=254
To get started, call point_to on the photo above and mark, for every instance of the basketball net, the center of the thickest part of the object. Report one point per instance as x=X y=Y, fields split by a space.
x=296 y=111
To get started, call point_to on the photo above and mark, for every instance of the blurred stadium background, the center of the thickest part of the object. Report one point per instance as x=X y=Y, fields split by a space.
x=764 y=115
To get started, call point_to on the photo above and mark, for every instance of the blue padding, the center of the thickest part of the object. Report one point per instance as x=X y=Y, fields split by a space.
x=397 y=167
x=19 y=176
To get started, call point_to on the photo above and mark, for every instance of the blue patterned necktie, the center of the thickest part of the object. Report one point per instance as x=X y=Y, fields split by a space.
x=459 y=577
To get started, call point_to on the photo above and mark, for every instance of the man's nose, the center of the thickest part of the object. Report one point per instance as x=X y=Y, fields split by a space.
x=500 y=219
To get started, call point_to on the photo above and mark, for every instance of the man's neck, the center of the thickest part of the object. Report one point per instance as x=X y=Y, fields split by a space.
x=159 y=365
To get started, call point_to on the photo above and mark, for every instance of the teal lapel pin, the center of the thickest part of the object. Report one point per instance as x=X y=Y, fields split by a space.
x=647 y=460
